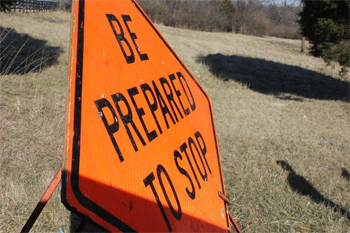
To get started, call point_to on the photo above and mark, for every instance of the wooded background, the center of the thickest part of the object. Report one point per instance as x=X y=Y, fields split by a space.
x=251 y=17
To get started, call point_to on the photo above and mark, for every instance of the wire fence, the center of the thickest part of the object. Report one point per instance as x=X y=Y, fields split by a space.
x=27 y=6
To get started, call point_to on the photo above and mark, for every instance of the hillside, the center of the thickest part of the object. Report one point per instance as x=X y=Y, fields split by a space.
x=282 y=119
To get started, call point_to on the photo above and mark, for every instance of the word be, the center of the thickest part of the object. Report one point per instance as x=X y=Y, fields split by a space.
x=122 y=41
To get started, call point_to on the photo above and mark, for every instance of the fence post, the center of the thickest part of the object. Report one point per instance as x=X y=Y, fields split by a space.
x=303 y=44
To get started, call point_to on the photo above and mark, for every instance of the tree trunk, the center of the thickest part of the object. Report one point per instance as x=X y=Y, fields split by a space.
x=303 y=44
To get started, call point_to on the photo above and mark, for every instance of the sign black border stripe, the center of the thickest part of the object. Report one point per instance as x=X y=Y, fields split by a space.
x=84 y=201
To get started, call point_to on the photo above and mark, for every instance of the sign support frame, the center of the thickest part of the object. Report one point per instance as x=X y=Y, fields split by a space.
x=42 y=203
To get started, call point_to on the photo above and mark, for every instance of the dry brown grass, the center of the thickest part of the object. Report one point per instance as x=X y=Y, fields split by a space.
x=257 y=126
x=32 y=118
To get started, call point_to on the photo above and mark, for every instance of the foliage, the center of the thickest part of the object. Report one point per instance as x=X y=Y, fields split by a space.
x=5 y=5
x=239 y=16
x=326 y=24
x=227 y=8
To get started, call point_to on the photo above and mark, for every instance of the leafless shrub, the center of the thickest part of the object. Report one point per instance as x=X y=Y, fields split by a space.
x=197 y=15
x=245 y=17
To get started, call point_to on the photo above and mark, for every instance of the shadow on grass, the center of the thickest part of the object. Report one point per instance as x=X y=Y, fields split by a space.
x=274 y=78
x=80 y=223
x=119 y=210
x=346 y=174
x=21 y=53
x=303 y=187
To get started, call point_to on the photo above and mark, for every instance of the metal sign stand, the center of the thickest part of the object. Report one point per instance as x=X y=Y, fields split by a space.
x=44 y=199
x=52 y=187
x=233 y=222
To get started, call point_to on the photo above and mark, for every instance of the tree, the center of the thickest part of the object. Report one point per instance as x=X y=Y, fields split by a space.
x=5 y=5
x=326 y=24
x=64 y=5
x=228 y=9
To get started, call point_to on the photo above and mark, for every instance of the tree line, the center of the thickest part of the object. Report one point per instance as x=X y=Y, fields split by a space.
x=324 y=23
x=252 y=17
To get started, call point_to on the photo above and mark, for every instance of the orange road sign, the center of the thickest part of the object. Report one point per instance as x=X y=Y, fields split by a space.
x=141 y=152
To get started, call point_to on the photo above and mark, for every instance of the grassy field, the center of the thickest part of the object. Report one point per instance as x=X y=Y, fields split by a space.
x=282 y=119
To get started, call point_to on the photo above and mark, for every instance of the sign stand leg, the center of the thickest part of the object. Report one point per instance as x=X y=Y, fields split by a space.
x=44 y=199
x=232 y=220
x=234 y=223
x=82 y=225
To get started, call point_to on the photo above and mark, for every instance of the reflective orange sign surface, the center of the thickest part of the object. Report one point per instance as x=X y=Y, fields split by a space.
x=141 y=152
